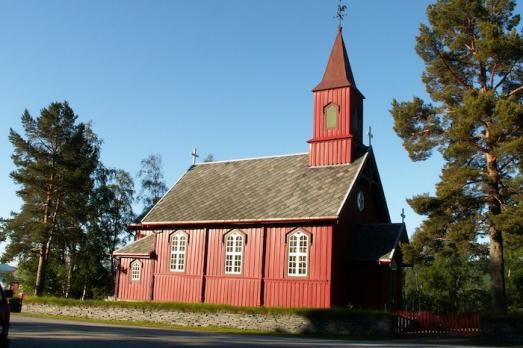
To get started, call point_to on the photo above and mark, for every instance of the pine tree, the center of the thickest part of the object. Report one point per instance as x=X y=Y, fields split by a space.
x=54 y=163
x=473 y=55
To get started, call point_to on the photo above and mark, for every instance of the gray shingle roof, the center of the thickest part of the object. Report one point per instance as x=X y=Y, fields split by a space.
x=282 y=187
x=141 y=246
x=375 y=242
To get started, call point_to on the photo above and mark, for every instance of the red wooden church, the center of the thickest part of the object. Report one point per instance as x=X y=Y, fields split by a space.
x=301 y=230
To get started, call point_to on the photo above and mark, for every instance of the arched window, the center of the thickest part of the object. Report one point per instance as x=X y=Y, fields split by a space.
x=331 y=116
x=234 y=242
x=298 y=254
x=178 y=249
x=136 y=270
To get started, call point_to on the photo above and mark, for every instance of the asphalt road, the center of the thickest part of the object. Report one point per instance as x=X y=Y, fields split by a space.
x=53 y=333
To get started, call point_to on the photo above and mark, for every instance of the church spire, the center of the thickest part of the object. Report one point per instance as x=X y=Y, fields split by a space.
x=338 y=72
x=338 y=113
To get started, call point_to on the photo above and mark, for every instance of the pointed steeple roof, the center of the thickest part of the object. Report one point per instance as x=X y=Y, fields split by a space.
x=338 y=72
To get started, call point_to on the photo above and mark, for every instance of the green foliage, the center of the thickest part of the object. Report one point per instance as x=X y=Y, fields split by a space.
x=514 y=265
x=449 y=283
x=74 y=209
x=473 y=55
x=112 y=211
x=54 y=162
x=418 y=125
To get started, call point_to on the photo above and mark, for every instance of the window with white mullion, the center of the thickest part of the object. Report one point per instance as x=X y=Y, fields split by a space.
x=136 y=270
x=178 y=249
x=298 y=254
x=234 y=253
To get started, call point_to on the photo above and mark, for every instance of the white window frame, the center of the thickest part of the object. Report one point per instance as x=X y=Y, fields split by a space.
x=298 y=254
x=136 y=273
x=178 y=242
x=234 y=243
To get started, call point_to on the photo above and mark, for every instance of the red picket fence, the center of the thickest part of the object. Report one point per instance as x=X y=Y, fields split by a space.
x=428 y=323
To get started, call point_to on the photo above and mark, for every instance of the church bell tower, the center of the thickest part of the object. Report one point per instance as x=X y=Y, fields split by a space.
x=338 y=112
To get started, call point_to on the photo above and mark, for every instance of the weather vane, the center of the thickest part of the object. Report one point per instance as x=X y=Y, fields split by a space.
x=340 y=13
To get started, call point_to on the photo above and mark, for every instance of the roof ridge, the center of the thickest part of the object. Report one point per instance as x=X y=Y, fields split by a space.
x=252 y=158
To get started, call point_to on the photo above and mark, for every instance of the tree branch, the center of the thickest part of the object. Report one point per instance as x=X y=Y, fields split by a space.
x=449 y=68
x=505 y=76
x=516 y=91
x=503 y=166
x=456 y=76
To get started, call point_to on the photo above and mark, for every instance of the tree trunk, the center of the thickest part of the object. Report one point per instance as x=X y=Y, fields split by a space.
x=44 y=248
x=497 y=271
x=40 y=272
x=69 y=266
x=497 y=264
x=43 y=258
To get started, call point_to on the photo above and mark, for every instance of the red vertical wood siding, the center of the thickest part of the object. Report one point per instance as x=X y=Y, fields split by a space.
x=336 y=146
x=244 y=289
x=336 y=151
x=134 y=289
x=340 y=97
x=311 y=291
x=180 y=286
x=238 y=290
x=331 y=146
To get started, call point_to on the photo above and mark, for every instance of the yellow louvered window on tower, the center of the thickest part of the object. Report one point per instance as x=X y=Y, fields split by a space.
x=331 y=116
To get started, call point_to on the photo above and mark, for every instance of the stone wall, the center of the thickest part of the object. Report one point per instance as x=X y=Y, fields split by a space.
x=286 y=323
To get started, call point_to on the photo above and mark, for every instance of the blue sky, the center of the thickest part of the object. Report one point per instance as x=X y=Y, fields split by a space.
x=232 y=78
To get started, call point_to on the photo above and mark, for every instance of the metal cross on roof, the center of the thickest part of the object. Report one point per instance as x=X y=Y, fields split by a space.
x=340 y=13
x=194 y=155
x=402 y=215
x=369 y=133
